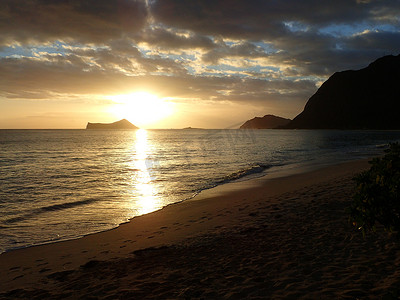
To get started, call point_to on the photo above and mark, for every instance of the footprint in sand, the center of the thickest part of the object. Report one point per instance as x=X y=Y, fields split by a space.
x=44 y=270
x=240 y=208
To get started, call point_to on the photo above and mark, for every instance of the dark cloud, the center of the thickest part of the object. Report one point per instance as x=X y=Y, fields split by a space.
x=27 y=21
x=242 y=49
x=381 y=42
x=239 y=19
x=160 y=37
x=318 y=54
x=260 y=19
x=292 y=28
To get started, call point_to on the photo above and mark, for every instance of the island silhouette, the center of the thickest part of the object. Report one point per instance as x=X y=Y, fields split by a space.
x=121 y=124
x=266 y=122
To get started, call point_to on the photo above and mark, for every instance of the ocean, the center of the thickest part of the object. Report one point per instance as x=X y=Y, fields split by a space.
x=64 y=184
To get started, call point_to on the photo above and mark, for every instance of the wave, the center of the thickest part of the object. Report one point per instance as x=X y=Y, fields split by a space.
x=66 y=205
x=55 y=207
x=247 y=172
x=243 y=173
x=382 y=146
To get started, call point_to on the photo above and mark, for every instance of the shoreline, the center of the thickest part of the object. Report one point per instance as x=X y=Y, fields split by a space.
x=231 y=213
x=245 y=182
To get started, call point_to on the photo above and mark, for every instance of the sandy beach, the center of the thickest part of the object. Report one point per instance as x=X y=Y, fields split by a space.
x=285 y=237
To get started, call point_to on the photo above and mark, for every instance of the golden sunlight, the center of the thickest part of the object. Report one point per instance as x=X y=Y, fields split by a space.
x=141 y=108
x=146 y=199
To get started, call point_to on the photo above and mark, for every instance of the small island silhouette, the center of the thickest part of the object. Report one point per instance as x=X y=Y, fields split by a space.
x=122 y=124
x=266 y=122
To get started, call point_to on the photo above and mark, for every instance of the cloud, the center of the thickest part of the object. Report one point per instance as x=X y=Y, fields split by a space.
x=50 y=75
x=259 y=19
x=251 y=51
x=162 y=38
x=91 y=21
x=242 y=49
x=382 y=42
x=291 y=28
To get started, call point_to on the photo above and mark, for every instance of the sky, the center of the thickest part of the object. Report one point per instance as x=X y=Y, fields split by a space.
x=179 y=63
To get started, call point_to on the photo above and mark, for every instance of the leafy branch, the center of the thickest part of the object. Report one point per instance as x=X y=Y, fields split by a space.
x=377 y=198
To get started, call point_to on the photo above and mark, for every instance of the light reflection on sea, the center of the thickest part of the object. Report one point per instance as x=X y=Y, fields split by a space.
x=62 y=184
x=147 y=199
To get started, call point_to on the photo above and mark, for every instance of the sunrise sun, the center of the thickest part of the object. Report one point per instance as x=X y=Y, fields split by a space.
x=141 y=108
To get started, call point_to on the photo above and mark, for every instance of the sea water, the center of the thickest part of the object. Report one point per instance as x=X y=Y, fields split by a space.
x=64 y=184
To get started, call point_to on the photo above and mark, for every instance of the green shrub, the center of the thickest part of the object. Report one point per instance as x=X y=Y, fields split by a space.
x=377 y=198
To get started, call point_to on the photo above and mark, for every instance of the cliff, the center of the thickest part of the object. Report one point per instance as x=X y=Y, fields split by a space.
x=266 y=122
x=122 y=124
x=365 y=99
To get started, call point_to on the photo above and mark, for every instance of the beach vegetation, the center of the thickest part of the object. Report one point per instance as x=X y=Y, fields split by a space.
x=377 y=197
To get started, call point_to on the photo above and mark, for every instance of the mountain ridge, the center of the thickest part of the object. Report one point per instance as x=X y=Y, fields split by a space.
x=368 y=98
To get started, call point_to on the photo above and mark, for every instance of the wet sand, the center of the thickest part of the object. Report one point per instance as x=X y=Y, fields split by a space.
x=274 y=238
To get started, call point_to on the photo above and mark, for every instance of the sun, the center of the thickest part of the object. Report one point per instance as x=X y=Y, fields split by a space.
x=141 y=108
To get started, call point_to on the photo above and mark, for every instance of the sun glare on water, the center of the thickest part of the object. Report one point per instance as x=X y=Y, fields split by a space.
x=141 y=108
x=146 y=199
